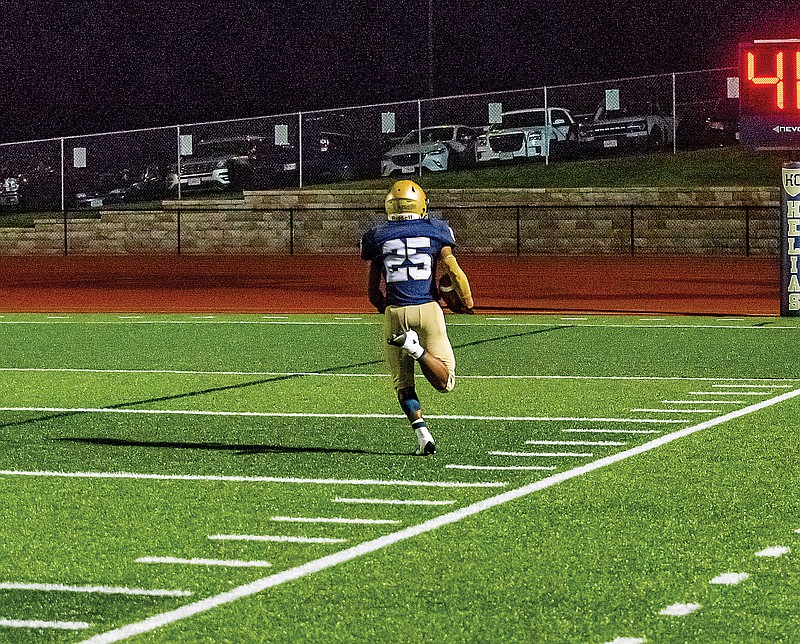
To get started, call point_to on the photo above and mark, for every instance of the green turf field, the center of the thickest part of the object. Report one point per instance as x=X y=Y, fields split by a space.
x=249 y=479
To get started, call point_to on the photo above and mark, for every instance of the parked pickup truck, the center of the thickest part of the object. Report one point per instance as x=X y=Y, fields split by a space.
x=644 y=126
x=529 y=133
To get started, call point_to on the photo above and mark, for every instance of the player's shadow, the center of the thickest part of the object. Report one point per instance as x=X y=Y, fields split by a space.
x=243 y=450
x=511 y=336
x=189 y=394
x=263 y=381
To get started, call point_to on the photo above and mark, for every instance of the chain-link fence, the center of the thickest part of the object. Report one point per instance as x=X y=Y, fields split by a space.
x=653 y=113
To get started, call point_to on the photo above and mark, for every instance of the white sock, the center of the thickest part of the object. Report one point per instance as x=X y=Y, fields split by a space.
x=423 y=434
x=412 y=346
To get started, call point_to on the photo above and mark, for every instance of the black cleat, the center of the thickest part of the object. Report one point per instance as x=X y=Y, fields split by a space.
x=427 y=449
x=408 y=342
x=398 y=339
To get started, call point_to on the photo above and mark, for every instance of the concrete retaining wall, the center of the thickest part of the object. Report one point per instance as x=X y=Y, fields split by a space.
x=581 y=221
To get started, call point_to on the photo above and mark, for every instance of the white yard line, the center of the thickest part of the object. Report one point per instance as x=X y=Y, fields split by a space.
x=35 y=623
x=384 y=541
x=248 y=479
x=729 y=393
x=281 y=414
x=753 y=386
x=702 y=402
x=226 y=563
x=674 y=411
x=501 y=468
x=318 y=374
x=543 y=454
x=273 y=538
x=612 y=431
x=341 y=520
x=596 y=325
x=286 y=321
x=577 y=443
x=188 y=321
x=103 y=590
x=392 y=501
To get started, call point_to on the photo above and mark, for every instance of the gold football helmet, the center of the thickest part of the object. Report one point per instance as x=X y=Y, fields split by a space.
x=406 y=201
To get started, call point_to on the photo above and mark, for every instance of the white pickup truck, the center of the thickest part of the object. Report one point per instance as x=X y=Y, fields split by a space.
x=529 y=133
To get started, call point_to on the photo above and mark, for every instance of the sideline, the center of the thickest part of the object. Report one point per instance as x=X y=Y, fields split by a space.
x=367 y=547
x=574 y=323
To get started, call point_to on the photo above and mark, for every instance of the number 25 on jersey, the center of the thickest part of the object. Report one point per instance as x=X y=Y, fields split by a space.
x=403 y=261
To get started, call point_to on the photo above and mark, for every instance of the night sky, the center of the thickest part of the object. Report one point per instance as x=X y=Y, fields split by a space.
x=84 y=66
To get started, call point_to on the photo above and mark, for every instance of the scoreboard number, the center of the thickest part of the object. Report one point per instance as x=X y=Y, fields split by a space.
x=769 y=100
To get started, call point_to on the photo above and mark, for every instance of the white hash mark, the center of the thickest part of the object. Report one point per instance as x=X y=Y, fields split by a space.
x=680 y=610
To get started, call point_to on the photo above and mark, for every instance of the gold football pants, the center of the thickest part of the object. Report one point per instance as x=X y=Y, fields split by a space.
x=428 y=321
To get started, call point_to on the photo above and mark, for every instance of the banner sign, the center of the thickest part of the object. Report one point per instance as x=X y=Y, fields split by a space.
x=790 y=239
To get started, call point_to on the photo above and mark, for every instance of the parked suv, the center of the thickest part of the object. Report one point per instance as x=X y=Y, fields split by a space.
x=644 y=126
x=529 y=133
x=230 y=163
x=436 y=148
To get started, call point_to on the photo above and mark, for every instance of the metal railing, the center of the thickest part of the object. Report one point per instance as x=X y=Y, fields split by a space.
x=657 y=229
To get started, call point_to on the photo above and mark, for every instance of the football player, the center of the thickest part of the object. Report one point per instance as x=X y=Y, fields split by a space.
x=404 y=254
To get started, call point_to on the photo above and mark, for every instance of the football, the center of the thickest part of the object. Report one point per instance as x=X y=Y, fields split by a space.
x=449 y=295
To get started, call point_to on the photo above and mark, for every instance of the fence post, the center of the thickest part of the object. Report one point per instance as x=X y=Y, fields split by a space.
x=63 y=199
x=547 y=129
x=178 y=166
x=300 y=149
x=674 y=117
x=291 y=231
x=419 y=133
x=179 y=231
x=519 y=234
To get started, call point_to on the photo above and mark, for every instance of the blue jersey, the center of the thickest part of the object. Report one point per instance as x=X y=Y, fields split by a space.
x=408 y=251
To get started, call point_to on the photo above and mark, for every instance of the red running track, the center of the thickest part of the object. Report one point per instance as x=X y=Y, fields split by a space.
x=337 y=284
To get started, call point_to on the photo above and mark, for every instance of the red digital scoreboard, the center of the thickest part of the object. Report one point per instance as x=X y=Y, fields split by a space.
x=769 y=94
